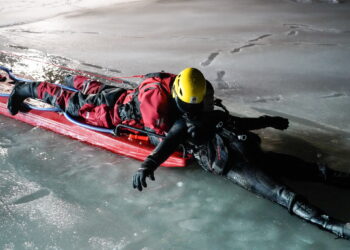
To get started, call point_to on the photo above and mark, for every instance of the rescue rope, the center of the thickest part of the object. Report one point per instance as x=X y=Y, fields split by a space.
x=84 y=125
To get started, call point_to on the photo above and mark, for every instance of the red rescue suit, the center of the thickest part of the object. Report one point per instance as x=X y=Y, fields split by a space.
x=149 y=106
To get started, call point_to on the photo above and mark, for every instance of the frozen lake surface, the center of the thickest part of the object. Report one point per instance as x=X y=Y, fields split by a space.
x=288 y=58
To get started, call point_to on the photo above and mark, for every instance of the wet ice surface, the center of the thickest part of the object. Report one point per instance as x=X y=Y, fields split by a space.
x=286 y=58
x=57 y=193
x=36 y=10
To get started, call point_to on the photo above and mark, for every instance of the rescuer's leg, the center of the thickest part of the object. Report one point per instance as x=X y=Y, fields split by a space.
x=292 y=167
x=257 y=181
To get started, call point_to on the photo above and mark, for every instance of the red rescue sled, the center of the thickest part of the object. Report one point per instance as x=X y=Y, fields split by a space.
x=122 y=145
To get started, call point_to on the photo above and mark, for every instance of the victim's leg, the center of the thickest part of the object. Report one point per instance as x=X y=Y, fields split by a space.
x=96 y=109
x=47 y=92
x=85 y=85
x=19 y=93
x=54 y=95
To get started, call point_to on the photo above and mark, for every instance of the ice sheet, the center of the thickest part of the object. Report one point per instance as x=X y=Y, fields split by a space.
x=287 y=58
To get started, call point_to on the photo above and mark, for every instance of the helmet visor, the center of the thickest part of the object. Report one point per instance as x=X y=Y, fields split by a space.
x=188 y=107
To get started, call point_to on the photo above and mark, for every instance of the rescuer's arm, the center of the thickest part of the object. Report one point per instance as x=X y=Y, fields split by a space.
x=174 y=138
x=244 y=124
x=203 y=127
x=257 y=123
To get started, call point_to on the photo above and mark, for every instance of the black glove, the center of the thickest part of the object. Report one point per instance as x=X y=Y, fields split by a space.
x=146 y=170
x=200 y=129
x=277 y=122
x=194 y=128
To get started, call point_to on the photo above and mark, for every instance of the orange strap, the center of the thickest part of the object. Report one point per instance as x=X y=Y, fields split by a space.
x=138 y=137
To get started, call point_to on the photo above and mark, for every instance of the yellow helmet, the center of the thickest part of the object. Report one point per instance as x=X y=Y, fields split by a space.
x=189 y=89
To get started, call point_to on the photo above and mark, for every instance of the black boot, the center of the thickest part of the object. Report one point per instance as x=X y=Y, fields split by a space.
x=20 y=92
x=315 y=216
x=334 y=177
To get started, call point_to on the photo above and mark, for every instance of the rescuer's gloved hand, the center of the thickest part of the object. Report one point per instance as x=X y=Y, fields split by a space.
x=200 y=129
x=277 y=122
x=194 y=128
x=139 y=179
x=146 y=170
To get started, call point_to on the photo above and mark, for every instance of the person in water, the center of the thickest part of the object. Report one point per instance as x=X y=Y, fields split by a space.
x=182 y=108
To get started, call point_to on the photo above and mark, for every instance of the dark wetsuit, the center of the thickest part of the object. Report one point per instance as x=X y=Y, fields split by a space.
x=240 y=151
x=234 y=152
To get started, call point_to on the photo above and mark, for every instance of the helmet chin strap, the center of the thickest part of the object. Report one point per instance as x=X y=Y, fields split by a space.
x=188 y=117
x=179 y=107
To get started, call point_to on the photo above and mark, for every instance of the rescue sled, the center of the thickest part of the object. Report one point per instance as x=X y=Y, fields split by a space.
x=126 y=144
